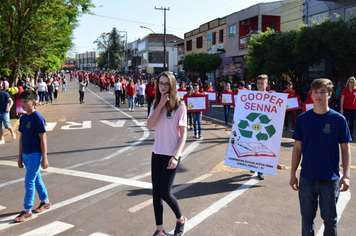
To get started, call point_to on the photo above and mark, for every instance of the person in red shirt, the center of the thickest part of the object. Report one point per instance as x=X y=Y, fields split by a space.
x=182 y=86
x=101 y=81
x=107 y=85
x=189 y=114
x=348 y=103
x=131 y=91
x=197 y=116
x=309 y=97
x=123 y=94
x=150 y=92
x=209 y=88
x=292 y=114
x=227 y=107
x=241 y=87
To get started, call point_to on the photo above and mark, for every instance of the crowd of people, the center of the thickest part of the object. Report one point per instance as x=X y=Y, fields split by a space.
x=317 y=133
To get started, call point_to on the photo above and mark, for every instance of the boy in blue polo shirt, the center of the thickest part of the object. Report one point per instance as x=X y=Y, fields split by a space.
x=318 y=133
x=33 y=155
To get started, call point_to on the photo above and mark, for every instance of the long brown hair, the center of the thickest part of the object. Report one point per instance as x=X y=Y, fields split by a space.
x=173 y=102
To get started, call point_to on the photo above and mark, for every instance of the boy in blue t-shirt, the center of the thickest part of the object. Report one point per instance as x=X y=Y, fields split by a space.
x=318 y=133
x=32 y=154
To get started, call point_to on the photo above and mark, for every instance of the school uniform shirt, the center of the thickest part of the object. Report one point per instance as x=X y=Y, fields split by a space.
x=350 y=98
x=150 y=91
x=291 y=93
x=320 y=135
x=131 y=90
x=141 y=89
x=167 y=132
x=30 y=127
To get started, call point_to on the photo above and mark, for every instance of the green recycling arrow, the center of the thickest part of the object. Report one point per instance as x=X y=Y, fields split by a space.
x=252 y=116
x=270 y=130
x=246 y=133
x=264 y=119
x=261 y=136
x=243 y=124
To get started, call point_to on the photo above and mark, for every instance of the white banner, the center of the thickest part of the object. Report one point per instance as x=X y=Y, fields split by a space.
x=256 y=134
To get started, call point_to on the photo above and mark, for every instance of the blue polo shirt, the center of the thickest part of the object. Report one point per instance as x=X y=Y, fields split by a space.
x=320 y=136
x=4 y=97
x=30 y=127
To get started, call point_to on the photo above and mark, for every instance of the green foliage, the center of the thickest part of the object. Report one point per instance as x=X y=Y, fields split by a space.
x=201 y=63
x=37 y=33
x=110 y=46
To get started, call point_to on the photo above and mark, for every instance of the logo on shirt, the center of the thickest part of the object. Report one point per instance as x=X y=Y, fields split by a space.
x=169 y=116
x=327 y=129
x=28 y=126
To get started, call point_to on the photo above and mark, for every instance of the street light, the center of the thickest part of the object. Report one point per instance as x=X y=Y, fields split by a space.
x=164 y=45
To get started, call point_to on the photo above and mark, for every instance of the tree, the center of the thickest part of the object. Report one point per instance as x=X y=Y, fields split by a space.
x=110 y=45
x=286 y=53
x=201 y=63
x=37 y=33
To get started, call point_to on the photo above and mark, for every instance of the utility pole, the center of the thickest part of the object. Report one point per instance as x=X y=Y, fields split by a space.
x=164 y=36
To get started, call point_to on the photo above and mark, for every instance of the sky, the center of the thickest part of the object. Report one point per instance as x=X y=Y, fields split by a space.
x=183 y=16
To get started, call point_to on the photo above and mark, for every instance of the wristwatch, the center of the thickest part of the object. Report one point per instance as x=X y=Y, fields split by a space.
x=175 y=158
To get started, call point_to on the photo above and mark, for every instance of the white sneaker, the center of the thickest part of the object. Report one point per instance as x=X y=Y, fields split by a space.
x=133 y=110
x=2 y=141
x=129 y=109
x=13 y=136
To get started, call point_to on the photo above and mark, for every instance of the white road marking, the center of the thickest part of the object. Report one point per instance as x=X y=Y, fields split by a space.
x=84 y=125
x=88 y=175
x=50 y=229
x=2 y=208
x=8 y=221
x=50 y=126
x=119 y=123
x=344 y=198
x=174 y=190
x=99 y=234
x=215 y=207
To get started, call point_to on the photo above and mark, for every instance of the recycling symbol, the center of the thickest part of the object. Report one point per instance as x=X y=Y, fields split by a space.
x=259 y=126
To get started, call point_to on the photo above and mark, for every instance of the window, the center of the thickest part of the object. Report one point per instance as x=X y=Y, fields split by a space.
x=319 y=17
x=155 y=57
x=350 y=12
x=232 y=32
x=272 y=24
x=189 y=45
x=221 y=36
x=214 y=38
x=200 y=42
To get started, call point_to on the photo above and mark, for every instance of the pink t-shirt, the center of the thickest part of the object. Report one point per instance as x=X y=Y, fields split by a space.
x=167 y=130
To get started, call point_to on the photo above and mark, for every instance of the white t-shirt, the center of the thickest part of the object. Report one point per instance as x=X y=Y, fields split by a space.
x=141 y=89
x=42 y=86
x=167 y=131
x=118 y=86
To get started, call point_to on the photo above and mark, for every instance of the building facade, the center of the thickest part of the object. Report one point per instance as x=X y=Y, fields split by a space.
x=86 y=61
x=208 y=38
x=150 y=54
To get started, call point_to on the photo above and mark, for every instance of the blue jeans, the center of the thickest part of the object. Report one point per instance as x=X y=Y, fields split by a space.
x=141 y=99
x=5 y=118
x=49 y=96
x=328 y=193
x=33 y=179
x=226 y=112
x=41 y=95
x=197 y=122
x=131 y=101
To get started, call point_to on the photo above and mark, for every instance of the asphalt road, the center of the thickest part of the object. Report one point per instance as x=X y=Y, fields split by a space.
x=99 y=178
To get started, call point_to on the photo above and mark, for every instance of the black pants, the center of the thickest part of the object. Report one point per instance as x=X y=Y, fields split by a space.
x=149 y=104
x=350 y=117
x=55 y=94
x=190 y=118
x=81 y=96
x=117 y=97
x=123 y=94
x=162 y=181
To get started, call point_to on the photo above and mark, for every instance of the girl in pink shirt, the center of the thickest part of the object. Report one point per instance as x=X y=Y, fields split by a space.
x=169 y=117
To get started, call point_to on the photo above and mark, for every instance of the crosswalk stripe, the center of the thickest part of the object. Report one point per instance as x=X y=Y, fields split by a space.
x=99 y=234
x=2 y=208
x=50 y=229
x=8 y=221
